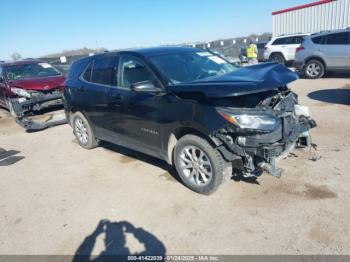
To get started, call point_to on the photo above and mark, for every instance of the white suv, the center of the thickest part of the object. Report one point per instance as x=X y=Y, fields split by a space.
x=281 y=49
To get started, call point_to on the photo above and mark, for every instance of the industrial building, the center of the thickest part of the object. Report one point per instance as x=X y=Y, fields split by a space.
x=313 y=17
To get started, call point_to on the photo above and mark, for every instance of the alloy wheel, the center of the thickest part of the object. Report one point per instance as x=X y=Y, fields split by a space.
x=81 y=131
x=196 y=166
x=313 y=69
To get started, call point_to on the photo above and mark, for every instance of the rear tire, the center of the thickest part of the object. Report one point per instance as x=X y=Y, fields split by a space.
x=278 y=58
x=83 y=131
x=314 y=69
x=199 y=165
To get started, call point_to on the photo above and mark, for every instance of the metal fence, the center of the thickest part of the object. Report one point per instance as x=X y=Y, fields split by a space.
x=228 y=47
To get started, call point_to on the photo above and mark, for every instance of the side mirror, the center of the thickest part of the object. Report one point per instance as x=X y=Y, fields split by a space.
x=145 y=87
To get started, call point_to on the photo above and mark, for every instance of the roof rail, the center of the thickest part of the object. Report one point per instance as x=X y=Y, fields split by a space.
x=292 y=34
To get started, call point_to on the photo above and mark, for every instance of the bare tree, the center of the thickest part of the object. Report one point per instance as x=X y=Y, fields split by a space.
x=16 y=56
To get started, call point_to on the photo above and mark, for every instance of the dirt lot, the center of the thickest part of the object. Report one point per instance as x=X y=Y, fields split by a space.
x=55 y=196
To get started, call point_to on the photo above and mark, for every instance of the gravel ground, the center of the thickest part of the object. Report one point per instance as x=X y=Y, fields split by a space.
x=57 y=198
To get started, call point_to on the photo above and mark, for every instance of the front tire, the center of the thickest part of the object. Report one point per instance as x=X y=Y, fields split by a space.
x=199 y=165
x=83 y=131
x=314 y=69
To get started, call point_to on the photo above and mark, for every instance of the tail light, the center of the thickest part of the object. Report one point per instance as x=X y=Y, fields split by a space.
x=300 y=48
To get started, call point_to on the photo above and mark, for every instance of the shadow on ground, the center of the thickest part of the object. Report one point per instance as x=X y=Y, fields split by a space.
x=7 y=157
x=134 y=155
x=335 y=96
x=116 y=244
x=250 y=180
x=328 y=75
x=337 y=75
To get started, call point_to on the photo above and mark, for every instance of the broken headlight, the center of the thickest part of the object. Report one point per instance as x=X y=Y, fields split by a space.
x=251 y=121
x=20 y=92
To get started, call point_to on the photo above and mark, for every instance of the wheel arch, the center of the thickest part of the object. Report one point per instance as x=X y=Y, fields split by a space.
x=318 y=59
x=179 y=132
x=277 y=53
x=71 y=110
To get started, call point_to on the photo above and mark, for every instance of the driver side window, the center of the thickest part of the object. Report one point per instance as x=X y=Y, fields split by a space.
x=132 y=71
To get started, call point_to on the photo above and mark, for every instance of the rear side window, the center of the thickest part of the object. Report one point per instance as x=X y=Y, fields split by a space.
x=319 y=40
x=292 y=40
x=337 y=39
x=279 y=41
x=299 y=39
x=87 y=73
x=284 y=41
x=76 y=68
x=104 y=71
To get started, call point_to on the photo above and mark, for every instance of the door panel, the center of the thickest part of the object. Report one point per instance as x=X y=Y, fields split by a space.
x=135 y=116
x=335 y=50
x=93 y=90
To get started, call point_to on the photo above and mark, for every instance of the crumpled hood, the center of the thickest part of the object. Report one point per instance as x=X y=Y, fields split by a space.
x=39 y=84
x=246 y=80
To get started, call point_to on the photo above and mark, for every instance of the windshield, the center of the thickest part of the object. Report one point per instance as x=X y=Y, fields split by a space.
x=191 y=66
x=30 y=71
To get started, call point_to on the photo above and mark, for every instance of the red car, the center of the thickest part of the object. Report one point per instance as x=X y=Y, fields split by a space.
x=28 y=86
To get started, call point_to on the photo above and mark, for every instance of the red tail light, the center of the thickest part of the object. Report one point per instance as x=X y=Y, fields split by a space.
x=300 y=48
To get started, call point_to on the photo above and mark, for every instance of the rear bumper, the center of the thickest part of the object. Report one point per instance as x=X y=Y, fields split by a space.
x=299 y=66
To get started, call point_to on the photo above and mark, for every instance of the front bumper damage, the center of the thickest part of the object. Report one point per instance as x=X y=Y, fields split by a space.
x=24 y=110
x=255 y=152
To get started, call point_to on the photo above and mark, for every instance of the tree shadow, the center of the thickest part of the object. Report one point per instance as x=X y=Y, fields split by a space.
x=135 y=155
x=335 y=96
x=7 y=157
x=115 y=243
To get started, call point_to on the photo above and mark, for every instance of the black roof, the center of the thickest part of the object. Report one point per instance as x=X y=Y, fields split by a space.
x=154 y=51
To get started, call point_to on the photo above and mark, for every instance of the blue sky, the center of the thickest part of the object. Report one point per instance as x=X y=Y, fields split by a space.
x=38 y=27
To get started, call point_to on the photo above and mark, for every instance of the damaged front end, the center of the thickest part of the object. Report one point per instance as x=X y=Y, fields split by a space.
x=257 y=135
x=26 y=103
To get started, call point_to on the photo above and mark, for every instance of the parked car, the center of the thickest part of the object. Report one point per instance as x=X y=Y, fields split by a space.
x=323 y=52
x=243 y=55
x=281 y=49
x=29 y=86
x=261 y=50
x=190 y=108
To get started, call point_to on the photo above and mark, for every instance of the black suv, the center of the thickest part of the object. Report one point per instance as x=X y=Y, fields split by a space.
x=190 y=108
